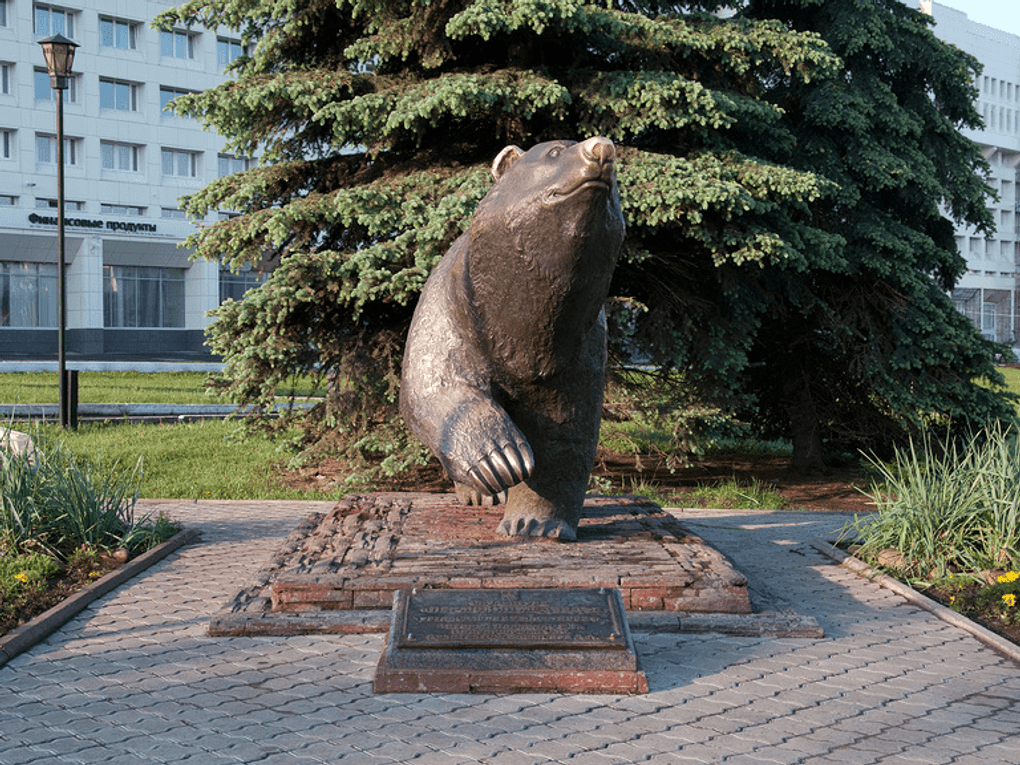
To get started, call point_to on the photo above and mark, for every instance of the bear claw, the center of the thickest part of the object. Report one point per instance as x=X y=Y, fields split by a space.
x=469 y=495
x=550 y=528
x=503 y=468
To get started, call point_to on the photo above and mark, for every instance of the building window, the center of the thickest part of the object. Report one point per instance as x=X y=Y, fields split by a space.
x=129 y=211
x=142 y=296
x=46 y=149
x=117 y=94
x=174 y=213
x=6 y=200
x=227 y=164
x=28 y=294
x=6 y=144
x=177 y=44
x=6 y=74
x=166 y=95
x=117 y=33
x=988 y=320
x=119 y=156
x=51 y=20
x=43 y=91
x=227 y=51
x=233 y=285
x=183 y=164
x=51 y=204
x=3 y=13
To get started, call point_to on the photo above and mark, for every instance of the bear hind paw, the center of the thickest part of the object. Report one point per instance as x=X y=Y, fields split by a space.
x=550 y=528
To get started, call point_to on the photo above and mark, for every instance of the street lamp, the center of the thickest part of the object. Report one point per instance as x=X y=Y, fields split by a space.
x=59 y=53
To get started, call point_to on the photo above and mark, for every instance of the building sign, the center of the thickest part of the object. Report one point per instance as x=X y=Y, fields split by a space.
x=95 y=224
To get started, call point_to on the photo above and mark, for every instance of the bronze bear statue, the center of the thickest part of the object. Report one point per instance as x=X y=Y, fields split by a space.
x=505 y=359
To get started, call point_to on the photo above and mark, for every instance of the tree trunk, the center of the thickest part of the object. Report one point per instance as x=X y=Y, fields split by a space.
x=805 y=428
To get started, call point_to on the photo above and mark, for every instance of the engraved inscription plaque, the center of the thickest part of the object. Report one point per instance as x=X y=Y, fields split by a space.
x=509 y=641
x=520 y=618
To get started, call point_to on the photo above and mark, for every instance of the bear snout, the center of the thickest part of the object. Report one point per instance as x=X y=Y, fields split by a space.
x=598 y=149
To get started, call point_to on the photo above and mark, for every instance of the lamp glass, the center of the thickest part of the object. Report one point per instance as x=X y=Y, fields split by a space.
x=59 y=54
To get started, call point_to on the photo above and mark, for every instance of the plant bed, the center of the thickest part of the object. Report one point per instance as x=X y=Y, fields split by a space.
x=21 y=601
x=994 y=603
x=66 y=520
x=985 y=604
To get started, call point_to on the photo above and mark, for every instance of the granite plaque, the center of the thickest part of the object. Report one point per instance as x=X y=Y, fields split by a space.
x=491 y=640
x=524 y=618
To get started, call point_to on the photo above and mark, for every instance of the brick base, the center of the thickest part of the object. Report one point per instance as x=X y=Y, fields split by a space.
x=371 y=545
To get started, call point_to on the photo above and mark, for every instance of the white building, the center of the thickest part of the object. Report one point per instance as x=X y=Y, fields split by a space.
x=130 y=289
x=988 y=292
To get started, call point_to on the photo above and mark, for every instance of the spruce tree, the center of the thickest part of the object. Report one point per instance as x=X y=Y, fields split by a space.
x=374 y=124
x=860 y=344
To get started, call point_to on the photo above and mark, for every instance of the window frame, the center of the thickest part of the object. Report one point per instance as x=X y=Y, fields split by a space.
x=45 y=308
x=228 y=42
x=41 y=75
x=69 y=15
x=70 y=149
x=118 y=282
x=174 y=35
x=116 y=22
x=247 y=164
x=176 y=155
x=124 y=211
x=240 y=283
x=169 y=89
x=133 y=94
x=115 y=147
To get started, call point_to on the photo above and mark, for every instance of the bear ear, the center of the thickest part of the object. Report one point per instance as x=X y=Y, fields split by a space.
x=504 y=160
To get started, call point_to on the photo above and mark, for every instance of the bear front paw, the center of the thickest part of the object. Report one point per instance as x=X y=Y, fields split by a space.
x=503 y=467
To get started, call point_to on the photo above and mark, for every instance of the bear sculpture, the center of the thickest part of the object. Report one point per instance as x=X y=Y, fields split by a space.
x=505 y=359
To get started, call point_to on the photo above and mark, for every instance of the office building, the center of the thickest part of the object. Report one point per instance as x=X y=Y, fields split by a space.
x=130 y=288
x=988 y=292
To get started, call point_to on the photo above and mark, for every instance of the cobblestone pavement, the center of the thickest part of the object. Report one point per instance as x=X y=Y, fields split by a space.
x=134 y=679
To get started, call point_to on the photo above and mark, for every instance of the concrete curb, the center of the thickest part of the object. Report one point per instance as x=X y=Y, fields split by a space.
x=27 y=635
x=996 y=642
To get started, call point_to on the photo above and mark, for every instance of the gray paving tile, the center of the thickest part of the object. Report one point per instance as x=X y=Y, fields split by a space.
x=134 y=679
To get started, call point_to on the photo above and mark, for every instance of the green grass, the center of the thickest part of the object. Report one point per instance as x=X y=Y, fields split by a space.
x=1012 y=379
x=109 y=388
x=193 y=460
x=21 y=575
x=118 y=388
x=739 y=496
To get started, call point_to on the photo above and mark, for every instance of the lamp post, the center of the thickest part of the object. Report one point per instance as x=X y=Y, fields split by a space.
x=59 y=53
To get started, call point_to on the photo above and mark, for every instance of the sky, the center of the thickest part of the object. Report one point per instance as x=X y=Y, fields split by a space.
x=1001 y=14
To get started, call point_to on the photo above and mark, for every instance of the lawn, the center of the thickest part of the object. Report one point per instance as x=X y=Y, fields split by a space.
x=190 y=460
x=118 y=388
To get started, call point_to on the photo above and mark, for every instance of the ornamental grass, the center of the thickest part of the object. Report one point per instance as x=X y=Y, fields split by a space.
x=947 y=507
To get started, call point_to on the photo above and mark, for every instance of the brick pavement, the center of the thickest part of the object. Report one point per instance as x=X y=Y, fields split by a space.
x=134 y=679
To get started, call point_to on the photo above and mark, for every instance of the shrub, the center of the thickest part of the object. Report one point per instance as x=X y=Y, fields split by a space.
x=947 y=506
x=65 y=501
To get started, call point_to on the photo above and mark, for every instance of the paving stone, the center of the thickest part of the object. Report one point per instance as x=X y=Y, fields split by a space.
x=886 y=678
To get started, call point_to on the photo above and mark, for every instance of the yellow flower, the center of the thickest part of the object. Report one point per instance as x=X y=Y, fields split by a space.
x=1010 y=600
x=22 y=577
x=1008 y=577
